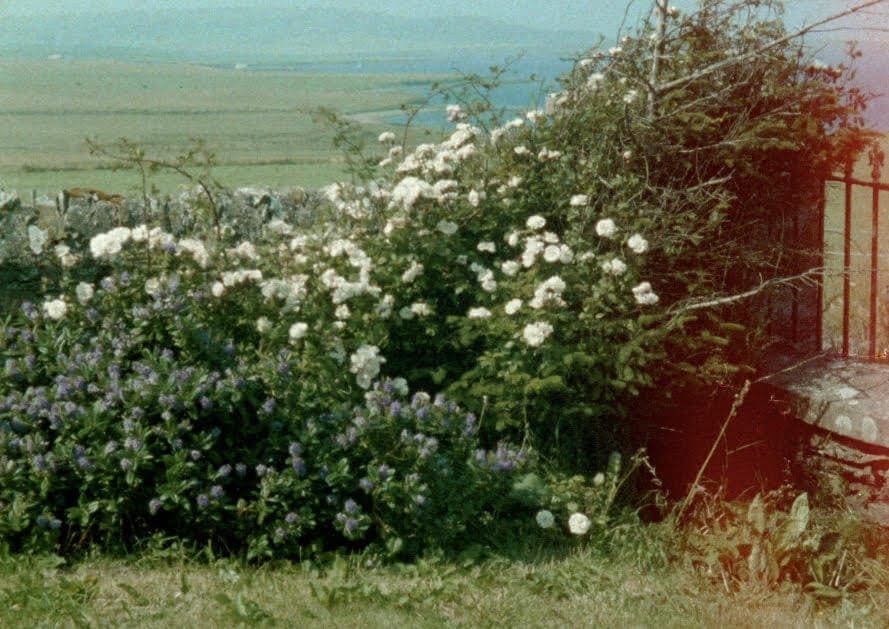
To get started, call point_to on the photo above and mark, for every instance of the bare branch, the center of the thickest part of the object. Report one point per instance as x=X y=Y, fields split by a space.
x=676 y=83
x=661 y=35
x=806 y=276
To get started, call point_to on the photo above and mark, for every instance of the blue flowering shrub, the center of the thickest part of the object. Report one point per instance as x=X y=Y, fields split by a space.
x=174 y=398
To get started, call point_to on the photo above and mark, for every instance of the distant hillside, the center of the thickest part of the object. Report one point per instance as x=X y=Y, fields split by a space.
x=271 y=35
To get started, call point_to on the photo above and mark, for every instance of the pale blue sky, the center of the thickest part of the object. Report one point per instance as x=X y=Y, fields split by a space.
x=594 y=15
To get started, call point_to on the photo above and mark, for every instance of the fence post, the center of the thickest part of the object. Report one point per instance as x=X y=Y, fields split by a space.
x=847 y=256
x=874 y=256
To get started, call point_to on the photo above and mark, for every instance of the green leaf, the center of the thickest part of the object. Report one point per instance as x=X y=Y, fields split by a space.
x=756 y=515
x=796 y=523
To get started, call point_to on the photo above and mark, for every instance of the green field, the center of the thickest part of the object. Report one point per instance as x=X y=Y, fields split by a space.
x=259 y=124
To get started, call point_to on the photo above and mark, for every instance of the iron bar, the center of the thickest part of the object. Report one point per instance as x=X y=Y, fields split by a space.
x=847 y=258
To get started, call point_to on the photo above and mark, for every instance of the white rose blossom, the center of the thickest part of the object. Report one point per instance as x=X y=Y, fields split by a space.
x=478 y=313
x=55 y=309
x=36 y=239
x=421 y=309
x=298 y=330
x=512 y=306
x=579 y=524
x=615 y=267
x=535 y=222
x=510 y=267
x=606 y=228
x=534 y=334
x=84 y=292
x=637 y=243
x=448 y=228
x=644 y=295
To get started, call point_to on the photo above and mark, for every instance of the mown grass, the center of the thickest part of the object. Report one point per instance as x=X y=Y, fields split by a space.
x=639 y=585
x=260 y=124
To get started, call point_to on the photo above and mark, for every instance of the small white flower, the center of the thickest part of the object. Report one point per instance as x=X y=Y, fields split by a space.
x=627 y=155
x=579 y=200
x=630 y=97
x=606 y=228
x=217 y=289
x=514 y=182
x=486 y=245
x=521 y=150
x=550 y=238
x=153 y=286
x=473 y=198
x=615 y=266
x=63 y=253
x=637 y=243
x=342 y=312
x=553 y=253
x=535 y=222
x=406 y=313
x=536 y=333
x=412 y=273
x=599 y=479
x=448 y=228
x=140 y=233
x=512 y=306
x=386 y=137
x=594 y=80
x=400 y=386
x=263 y=325
x=36 y=239
x=644 y=295
x=298 y=330
x=614 y=51
x=579 y=524
x=421 y=309
x=455 y=113
x=84 y=292
x=478 y=313
x=510 y=268
x=55 y=309
x=545 y=519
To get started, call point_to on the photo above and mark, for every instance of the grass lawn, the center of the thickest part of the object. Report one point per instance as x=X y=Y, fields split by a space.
x=580 y=588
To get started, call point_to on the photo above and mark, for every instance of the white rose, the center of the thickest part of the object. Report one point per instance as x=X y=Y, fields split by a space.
x=606 y=228
x=298 y=330
x=55 y=309
x=84 y=292
x=535 y=222
x=637 y=243
x=579 y=524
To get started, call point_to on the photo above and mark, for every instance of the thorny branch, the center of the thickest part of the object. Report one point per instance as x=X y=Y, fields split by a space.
x=808 y=276
x=659 y=89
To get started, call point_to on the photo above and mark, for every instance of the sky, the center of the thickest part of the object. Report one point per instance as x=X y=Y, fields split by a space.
x=599 y=16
